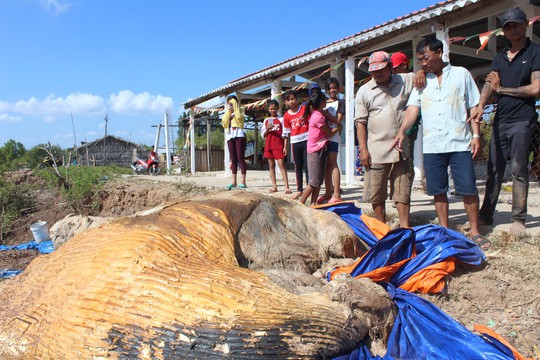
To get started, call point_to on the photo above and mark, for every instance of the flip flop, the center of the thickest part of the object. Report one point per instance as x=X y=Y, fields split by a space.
x=480 y=241
x=334 y=200
x=230 y=186
x=242 y=186
x=272 y=190
x=323 y=198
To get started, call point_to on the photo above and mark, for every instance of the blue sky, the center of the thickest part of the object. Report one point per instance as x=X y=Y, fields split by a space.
x=135 y=59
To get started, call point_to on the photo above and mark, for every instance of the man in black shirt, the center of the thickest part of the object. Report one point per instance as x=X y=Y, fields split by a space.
x=515 y=77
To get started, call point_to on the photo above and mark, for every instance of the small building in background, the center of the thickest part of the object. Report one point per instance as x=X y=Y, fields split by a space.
x=110 y=150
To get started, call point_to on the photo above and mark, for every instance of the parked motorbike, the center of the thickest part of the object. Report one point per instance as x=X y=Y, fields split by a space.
x=150 y=166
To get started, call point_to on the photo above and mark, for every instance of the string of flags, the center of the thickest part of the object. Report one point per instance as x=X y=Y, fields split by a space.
x=260 y=104
x=485 y=36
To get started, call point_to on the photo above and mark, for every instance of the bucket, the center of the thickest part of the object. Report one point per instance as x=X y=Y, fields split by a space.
x=40 y=231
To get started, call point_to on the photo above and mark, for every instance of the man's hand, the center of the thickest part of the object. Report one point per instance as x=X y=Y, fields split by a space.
x=475 y=147
x=476 y=114
x=398 y=142
x=420 y=79
x=365 y=158
x=494 y=80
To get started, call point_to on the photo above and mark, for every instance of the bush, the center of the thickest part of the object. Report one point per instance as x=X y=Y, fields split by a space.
x=84 y=183
x=13 y=199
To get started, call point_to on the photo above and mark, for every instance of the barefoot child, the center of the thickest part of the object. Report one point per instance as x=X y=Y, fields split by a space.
x=297 y=127
x=334 y=113
x=317 y=144
x=275 y=147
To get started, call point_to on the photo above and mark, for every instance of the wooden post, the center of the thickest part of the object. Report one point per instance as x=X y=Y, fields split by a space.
x=167 y=147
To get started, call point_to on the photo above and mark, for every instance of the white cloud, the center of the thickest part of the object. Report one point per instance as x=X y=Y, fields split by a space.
x=53 y=106
x=126 y=102
x=57 y=7
x=9 y=118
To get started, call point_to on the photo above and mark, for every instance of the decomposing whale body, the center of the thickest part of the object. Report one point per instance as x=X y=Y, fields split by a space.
x=188 y=282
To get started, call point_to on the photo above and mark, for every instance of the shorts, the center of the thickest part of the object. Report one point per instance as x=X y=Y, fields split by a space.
x=333 y=146
x=276 y=154
x=462 y=167
x=376 y=182
x=316 y=163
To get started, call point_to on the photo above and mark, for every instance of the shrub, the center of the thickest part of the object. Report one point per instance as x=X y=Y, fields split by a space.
x=84 y=183
x=13 y=199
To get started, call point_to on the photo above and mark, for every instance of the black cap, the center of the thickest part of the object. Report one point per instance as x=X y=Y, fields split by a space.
x=513 y=15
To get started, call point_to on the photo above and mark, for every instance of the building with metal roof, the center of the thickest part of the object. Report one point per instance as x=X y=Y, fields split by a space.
x=446 y=20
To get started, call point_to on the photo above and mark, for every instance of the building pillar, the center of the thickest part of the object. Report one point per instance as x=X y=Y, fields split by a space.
x=275 y=91
x=227 y=156
x=418 y=163
x=192 y=140
x=350 y=150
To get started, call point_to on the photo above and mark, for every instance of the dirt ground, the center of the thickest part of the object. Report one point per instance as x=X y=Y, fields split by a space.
x=502 y=295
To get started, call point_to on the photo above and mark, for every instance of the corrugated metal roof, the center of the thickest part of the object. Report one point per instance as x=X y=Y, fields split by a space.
x=401 y=22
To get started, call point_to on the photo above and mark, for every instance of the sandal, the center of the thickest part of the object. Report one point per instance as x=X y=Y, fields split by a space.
x=230 y=186
x=272 y=190
x=242 y=186
x=323 y=198
x=334 y=200
x=480 y=241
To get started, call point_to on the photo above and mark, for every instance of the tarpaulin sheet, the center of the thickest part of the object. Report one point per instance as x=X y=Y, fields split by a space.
x=422 y=331
x=45 y=247
x=419 y=258
x=7 y=273
x=349 y=213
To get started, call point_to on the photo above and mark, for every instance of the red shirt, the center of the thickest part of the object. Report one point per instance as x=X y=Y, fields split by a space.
x=274 y=139
x=295 y=125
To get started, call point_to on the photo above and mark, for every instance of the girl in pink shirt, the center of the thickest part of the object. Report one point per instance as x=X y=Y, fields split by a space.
x=318 y=136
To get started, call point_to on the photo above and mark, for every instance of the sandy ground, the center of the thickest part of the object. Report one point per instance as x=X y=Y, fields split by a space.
x=502 y=295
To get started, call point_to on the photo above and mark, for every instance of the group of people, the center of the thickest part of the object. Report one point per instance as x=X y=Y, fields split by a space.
x=388 y=109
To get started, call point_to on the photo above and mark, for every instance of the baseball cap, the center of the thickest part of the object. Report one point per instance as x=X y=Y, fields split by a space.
x=313 y=88
x=399 y=58
x=378 y=60
x=513 y=15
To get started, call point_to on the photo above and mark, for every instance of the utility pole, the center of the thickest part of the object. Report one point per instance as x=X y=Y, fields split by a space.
x=74 y=136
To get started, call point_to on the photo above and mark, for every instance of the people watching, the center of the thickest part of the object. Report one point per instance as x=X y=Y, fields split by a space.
x=449 y=94
x=515 y=78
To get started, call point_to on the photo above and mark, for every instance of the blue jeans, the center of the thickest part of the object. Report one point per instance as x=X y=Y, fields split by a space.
x=462 y=167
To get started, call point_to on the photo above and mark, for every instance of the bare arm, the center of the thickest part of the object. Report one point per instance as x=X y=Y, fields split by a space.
x=411 y=114
x=329 y=131
x=531 y=90
x=475 y=142
x=365 y=157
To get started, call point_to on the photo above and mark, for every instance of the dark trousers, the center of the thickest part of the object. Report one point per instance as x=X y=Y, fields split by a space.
x=237 y=152
x=509 y=141
x=300 y=163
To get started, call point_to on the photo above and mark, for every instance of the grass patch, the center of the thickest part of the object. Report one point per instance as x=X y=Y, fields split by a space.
x=14 y=198
x=84 y=182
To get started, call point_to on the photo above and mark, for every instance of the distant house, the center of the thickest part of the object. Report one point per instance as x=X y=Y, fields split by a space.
x=110 y=150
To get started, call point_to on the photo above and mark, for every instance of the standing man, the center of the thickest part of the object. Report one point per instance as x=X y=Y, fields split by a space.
x=447 y=141
x=380 y=105
x=515 y=77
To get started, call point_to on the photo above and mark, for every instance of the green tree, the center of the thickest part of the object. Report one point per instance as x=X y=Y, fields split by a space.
x=11 y=155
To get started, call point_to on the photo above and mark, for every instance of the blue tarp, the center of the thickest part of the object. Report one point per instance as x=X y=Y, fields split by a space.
x=351 y=215
x=7 y=273
x=46 y=247
x=423 y=331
